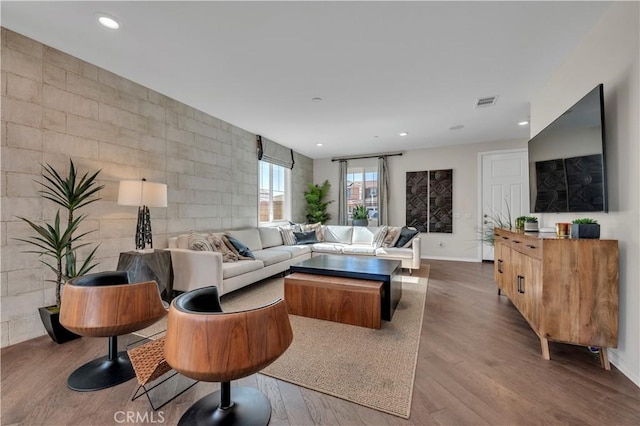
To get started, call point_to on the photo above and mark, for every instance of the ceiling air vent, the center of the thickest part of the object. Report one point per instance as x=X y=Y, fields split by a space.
x=486 y=102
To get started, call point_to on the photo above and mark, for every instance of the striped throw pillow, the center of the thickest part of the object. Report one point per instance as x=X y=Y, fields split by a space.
x=199 y=242
x=287 y=235
x=378 y=238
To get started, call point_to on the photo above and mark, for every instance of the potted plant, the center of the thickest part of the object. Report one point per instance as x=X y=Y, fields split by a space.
x=57 y=245
x=585 y=228
x=520 y=220
x=316 y=204
x=360 y=215
x=531 y=224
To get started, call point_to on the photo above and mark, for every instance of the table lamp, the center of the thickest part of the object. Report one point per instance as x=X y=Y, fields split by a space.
x=144 y=195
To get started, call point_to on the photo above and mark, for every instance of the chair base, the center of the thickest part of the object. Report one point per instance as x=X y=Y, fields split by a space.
x=249 y=407
x=102 y=373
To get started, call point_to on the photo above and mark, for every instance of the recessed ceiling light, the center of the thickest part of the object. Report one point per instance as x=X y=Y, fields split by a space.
x=457 y=127
x=403 y=133
x=523 y=123
x=108 y=21
x=316 y=99
x=318 y=144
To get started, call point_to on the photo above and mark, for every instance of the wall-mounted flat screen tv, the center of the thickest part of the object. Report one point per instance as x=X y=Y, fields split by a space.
x=567 y=170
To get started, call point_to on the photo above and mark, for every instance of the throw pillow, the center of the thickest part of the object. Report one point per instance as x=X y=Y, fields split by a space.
x=315 y=227
x=218 y=243
x=287 y=235
x=242 y=250
x=393 y=233
x=308 y=237
x=296 y=226
x=406 y=237
x=378 y=237
x=199 y=242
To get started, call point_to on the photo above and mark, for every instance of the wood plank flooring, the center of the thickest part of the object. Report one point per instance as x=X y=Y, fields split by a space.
x=479 y=363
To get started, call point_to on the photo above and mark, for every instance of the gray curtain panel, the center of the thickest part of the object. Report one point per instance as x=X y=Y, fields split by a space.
x=383 y=192
x=342 y=192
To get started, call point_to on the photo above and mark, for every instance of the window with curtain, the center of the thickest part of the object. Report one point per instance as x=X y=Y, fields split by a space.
x=362 y=188
x=274 y=193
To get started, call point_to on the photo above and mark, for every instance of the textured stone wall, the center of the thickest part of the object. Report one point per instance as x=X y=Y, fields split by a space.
x=56 y=107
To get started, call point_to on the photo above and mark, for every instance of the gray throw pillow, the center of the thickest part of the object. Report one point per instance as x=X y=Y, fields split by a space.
x=308 y=237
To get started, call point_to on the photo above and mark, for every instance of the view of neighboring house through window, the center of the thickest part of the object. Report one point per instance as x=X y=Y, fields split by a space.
x=273 y=193
x=362 y=189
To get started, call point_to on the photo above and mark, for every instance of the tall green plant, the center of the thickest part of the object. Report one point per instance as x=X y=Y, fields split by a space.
x=316 y=204
x=56 y=245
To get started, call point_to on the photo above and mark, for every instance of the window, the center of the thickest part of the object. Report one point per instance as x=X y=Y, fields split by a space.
x=274 y=193
x=362 y=188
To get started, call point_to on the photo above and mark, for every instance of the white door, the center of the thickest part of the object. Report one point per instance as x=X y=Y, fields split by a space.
x=505 y=190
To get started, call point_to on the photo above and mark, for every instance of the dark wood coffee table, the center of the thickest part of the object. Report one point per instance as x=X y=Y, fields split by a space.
x=359 y=267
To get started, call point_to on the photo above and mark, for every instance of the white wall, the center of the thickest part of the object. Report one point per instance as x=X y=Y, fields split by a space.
x=463 y=243
x=609 y=55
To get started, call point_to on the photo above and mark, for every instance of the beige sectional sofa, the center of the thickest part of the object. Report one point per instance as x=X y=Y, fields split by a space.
x=195 y=269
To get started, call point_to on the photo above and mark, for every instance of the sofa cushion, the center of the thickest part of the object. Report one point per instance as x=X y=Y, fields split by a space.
x=338 y=234
x=406 y=236
x=270 y=236
x=238 y=268
x=308 y=237
x=288 y=239
x=248 y=237
x=393 y=233
x=363 y=249
x=327 y=247
x=363 y=235
x=269 y=256
x=199 y=242
x=294 y=250
x=394 y=252
x=182 y=241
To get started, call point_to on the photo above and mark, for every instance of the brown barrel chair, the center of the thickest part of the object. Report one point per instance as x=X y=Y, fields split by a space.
x=105 y=304
x=204 y=343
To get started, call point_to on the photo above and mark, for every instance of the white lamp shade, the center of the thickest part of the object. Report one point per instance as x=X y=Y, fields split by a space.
x=142 y=193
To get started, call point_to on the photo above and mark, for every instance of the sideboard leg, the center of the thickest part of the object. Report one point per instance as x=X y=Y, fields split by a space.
x=604 y=359
x=544 y=344
x=499 y=291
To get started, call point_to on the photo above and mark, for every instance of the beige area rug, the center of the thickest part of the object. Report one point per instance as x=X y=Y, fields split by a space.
x=373 y=368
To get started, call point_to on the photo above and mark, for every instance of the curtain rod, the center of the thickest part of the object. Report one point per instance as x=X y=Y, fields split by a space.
x=391 y=154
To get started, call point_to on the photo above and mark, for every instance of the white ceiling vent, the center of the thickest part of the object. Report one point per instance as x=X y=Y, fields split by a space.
x=486 y=102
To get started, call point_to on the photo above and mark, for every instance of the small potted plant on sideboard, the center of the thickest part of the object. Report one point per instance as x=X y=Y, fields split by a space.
x=585 y=228
x=530 y=224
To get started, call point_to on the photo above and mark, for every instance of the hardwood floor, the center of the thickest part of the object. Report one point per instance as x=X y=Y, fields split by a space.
x=479 y=363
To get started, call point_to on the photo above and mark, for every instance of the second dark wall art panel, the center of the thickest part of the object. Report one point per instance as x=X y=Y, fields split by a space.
x=441 y=201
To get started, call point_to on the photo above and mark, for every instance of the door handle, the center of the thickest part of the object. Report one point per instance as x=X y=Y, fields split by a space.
x=500 y=266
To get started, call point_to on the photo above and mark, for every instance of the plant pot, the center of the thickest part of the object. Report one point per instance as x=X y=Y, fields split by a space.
x=585 y=230
x=360 y=222
x=531 y=226
x=50 y=316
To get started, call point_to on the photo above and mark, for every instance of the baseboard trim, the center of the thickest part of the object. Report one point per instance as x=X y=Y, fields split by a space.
x=614 y=359
x=455 y=259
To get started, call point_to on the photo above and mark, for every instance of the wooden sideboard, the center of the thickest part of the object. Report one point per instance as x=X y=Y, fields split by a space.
x=567 y=289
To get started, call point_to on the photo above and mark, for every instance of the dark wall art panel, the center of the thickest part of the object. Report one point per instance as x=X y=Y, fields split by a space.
x=585 y=183
x=551 y=183
x=417 y=200
x=441 y=201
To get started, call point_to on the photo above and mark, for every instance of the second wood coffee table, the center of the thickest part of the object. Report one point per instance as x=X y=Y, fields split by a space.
x=359 y=267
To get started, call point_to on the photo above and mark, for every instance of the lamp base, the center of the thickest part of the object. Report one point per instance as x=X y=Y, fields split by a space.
x=143 y=229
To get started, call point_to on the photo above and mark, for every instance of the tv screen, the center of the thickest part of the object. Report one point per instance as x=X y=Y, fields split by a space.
x=567 y=160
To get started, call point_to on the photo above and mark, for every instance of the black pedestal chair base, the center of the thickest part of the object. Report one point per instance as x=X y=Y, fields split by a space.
x=249 y=407
x=102 y=373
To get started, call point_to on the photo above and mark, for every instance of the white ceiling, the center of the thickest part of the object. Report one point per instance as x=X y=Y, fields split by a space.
x=380 y=67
